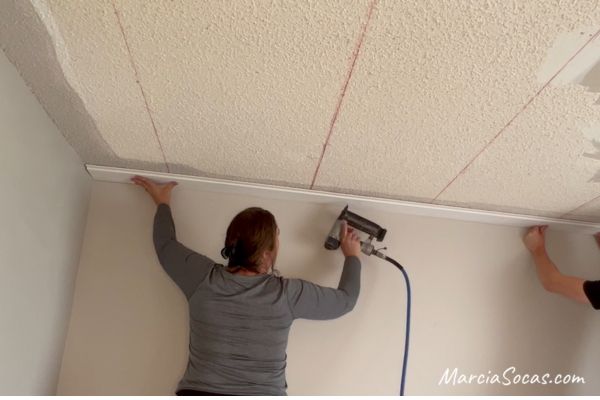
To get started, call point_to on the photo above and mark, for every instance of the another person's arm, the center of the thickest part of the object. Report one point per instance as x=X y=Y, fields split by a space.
x=572 y=287
x=311 y=301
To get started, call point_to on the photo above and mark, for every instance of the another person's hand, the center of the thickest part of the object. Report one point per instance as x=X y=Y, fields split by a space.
x=534 y=239
x=349 y=241
x=597 y=237
x=160 y=193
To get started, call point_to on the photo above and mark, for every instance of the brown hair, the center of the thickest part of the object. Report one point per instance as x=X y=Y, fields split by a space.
x=251 y=232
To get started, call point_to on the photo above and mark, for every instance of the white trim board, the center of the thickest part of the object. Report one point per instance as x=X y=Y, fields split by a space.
x=122 y=175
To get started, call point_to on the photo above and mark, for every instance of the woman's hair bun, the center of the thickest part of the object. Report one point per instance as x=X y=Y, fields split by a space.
x=227 y=251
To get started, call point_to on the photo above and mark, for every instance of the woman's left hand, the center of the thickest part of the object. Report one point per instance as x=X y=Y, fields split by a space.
x=160 y=193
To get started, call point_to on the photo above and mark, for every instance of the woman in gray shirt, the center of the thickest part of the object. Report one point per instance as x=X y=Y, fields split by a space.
x=241 y=314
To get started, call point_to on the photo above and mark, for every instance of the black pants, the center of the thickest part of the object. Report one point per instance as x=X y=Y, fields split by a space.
x=191 y=392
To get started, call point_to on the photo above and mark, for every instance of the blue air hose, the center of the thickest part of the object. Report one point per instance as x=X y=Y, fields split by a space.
x=407 y=334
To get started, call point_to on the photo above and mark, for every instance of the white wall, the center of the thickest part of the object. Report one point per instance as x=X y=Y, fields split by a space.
x=477 y=303
x=43 y=203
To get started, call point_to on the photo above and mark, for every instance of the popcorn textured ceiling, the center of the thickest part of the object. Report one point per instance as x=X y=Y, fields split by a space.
x=481 y=104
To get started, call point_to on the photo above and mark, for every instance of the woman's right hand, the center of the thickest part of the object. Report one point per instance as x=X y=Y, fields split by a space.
x=349 y=241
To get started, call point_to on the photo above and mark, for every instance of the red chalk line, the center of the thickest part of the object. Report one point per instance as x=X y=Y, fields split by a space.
x=137 y=79
x=343 y=93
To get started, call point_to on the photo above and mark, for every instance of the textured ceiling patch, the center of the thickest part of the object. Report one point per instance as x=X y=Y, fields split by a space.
x=25 y=39
x=436 y=83
x=106 y=79
x=537 y=163
x=244 y=89
x=455 y=101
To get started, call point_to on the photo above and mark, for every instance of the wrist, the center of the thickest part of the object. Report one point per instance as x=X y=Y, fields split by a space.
x=539 y=253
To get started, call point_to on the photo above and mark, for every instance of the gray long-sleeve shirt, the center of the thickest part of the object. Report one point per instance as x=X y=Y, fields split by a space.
x=239 y=325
